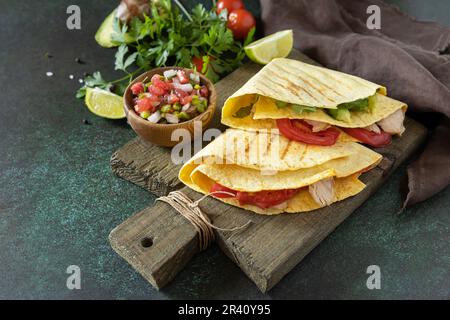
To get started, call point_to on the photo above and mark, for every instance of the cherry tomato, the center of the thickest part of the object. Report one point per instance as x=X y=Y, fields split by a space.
x=265 y=199
x=301 y=131
x=240 y=22
x=371 y=138
x=218 y=187
x=230 y=5
x=137 y=88
x=198 y=63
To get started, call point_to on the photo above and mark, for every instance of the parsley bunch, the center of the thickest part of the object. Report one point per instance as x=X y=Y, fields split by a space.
x=168 y=37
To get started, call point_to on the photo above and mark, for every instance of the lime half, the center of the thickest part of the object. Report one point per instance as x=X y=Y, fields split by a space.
x=277 y=45
x=104 y=103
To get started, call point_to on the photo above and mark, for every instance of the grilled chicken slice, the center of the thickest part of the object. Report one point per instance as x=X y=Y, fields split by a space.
x=317 y=125
x=323 y=191
x=394 y=123
x=281 y=206
x=374 y=128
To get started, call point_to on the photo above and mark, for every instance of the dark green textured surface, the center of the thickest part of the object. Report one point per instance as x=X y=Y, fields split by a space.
x=59 y=199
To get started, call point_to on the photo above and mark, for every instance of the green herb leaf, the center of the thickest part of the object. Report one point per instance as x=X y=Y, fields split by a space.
x=120 y=32
x=120 y=56
x=122 y=63
x=167 y=37
x=212 y=75
x=162 y=58
x=81 y=92
x=249 y=38
x=96 y=80
x=136 y=29
x=120 y=88
x=243 y=112
x=130 y=60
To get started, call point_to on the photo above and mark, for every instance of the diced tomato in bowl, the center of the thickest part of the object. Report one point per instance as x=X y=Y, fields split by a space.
x=171 y=97
x=145 y=104
x=137 y=88
x=165 y=99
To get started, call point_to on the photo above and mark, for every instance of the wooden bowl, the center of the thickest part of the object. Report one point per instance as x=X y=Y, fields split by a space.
x=161 y=134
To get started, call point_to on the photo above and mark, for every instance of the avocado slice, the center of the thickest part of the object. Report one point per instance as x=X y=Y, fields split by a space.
x=340 y=114
x=103 y=35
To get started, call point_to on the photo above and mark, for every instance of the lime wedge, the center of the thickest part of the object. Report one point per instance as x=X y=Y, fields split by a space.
x=277 y=45
x=104 y=103
x=104 y=33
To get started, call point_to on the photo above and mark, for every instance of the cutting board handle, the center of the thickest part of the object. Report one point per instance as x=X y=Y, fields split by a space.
x=158 y=242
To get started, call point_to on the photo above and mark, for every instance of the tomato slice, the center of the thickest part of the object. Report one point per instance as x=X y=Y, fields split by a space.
x=265 y=199
x=371 y=138
x=218 y=187
x=262 y=199
x=299 y=130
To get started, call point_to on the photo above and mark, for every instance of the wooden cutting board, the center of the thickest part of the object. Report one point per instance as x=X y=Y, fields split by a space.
x=158 y=242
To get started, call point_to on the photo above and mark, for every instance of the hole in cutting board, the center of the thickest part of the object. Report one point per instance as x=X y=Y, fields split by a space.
x=147 y=242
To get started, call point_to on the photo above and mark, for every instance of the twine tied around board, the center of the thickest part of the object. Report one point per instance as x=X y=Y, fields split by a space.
x=191 y=211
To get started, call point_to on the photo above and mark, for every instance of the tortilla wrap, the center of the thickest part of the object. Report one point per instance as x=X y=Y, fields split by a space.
x=303 y=84
x=267 y=164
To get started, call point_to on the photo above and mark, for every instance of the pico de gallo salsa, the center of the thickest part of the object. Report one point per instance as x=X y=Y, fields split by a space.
x=172 y=97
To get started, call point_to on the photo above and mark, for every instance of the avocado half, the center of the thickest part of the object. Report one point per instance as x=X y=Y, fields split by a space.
x=104 y=33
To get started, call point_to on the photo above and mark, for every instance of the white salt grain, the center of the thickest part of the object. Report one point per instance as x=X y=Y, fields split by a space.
x=71 y=77
x=49 y=74
x=80 y=80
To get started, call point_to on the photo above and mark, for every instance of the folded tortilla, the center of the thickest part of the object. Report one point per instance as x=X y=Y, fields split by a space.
x=251 y=162
x=299 y=83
